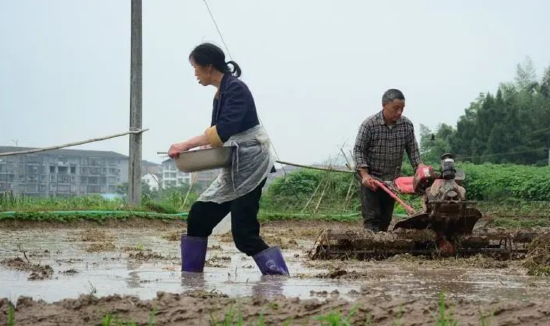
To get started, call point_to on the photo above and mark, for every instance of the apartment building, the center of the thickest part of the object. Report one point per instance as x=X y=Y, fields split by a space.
x=64 y=172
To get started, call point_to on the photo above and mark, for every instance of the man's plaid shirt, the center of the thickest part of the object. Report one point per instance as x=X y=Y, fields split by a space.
x=379 y=148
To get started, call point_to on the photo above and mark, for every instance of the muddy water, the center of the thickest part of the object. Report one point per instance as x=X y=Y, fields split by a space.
x=143 y=261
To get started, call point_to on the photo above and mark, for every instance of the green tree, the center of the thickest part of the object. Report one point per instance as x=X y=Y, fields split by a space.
x=433 y=145
x=526 y=76
x=509 y=127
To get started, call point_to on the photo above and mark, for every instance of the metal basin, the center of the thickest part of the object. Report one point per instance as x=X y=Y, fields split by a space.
x=205 y=159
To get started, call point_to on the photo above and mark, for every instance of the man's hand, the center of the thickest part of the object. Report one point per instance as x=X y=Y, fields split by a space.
x=368 y=182
x=176 y=149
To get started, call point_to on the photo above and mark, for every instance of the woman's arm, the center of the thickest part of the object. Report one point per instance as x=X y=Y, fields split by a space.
x=229 y=122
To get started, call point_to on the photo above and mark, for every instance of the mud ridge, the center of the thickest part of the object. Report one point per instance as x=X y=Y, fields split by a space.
x=199 y=308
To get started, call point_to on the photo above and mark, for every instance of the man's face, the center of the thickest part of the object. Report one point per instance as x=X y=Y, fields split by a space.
x=393 y=110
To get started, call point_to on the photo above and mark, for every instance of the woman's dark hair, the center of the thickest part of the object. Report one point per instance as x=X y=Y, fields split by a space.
x=209 y=54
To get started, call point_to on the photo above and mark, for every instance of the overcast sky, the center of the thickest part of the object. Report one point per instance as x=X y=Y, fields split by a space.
x=317 y=68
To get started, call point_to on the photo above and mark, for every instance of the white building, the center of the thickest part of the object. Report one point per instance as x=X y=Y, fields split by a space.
x=172 y=177
x=152 y=180
x=62 y=172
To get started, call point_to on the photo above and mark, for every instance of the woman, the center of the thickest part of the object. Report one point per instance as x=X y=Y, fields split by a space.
x=238 y=188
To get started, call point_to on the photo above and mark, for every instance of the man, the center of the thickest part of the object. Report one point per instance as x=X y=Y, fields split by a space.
x=378 y=153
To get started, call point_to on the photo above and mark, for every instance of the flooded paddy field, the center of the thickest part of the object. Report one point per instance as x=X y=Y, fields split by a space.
x=76 y=273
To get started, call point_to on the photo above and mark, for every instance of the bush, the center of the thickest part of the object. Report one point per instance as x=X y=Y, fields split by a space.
x=494 y=182
x=487 y=182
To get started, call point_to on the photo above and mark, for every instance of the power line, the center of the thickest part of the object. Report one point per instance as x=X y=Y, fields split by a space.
x=537 y=132
x=502 y=154
x=218 y=29
x=229 y=53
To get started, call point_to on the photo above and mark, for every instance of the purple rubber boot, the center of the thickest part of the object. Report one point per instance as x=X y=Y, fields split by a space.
x=193 y=253
x=271 y=262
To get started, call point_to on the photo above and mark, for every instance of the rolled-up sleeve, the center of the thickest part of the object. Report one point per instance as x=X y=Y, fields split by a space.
x=361 y=147
x=412 y=149
x=213 y=136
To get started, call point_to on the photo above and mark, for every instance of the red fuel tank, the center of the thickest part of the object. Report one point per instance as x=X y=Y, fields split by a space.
x=423 y=177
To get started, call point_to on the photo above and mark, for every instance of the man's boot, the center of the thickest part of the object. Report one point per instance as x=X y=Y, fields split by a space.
x=271 y=262
x=371 y=227
x=193 y=253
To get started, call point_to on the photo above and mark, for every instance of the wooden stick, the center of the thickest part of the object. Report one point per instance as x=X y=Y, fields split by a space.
x=313 y=195
x=348 y=195
x=194 y=177
x=156 y=180
x=37 y=150
x=298 y=165
x=348 y=164
x=321 y=198
x=313 y=167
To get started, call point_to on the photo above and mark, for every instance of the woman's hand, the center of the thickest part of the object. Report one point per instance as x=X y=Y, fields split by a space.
x=198 y=141
x=176 y=149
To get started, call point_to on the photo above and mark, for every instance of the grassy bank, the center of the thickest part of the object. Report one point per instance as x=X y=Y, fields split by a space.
x=513 y=196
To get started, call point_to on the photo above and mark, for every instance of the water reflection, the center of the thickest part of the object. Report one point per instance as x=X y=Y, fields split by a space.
x=193 y=281
x=269 y=286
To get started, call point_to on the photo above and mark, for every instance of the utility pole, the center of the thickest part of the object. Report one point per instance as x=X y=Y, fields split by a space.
x=134 y=163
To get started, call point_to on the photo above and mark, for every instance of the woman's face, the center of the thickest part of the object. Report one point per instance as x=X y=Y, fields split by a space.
x=203 y=73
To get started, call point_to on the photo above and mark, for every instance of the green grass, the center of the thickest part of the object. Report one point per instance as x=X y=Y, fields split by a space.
x=444 y=316
x=397 y=320
x=110 y=320
x=232 y=317
x=11 y=315
x=485 y=320
x=509 y=191
x=275 y=206
x=9 y=202
x=236 y=319
x=516 y=223
x=538 y=270
x=99 y=216
x=169 y=204
x=336 y=318
x=515 y=208
x=264 y=216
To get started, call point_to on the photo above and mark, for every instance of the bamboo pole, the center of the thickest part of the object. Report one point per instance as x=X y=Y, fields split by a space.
x=45 y=149
x=194 y=177
x=321 y=198
x=313 y=167
x=348 y=195
x=313 y=195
